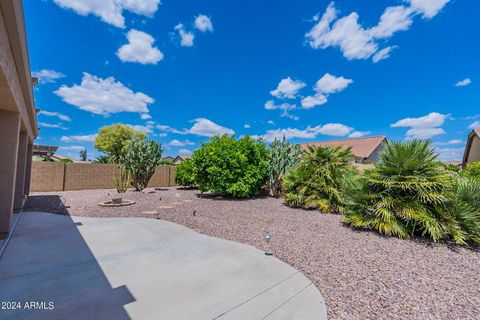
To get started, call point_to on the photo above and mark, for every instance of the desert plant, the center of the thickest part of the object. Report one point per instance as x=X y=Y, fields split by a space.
x=121 y=178
x=184 y=173
x=230 y=167
x=103 y=158
x=316 y=182
x=472 y=170
x=407 y=193
x=141 y=159
x=283 y=156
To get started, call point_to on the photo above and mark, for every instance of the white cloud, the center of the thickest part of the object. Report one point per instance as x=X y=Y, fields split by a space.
x=284 y=107
x=207 y=128
x=60 y=116
x=448 y=143
x=424 y=133
x=312 y=101
x=325 y=85
x=463 y=83
x=145 y=116
x=287 y=88
x=166 y=128
x=178 y=143
x=382 y=54
x=474 y=125
x=84 y=138
x=330 y=129
x=53 y=126
x=433 y=119
x=47 y=76
x=331 y=84
x=203 y=23
x=334 y=129
x=247 y=126
x=450 y=153
x=111 y=11
x=428 y=8
x=185 y=152
x=393 y=19
x=104 y=96
x=271 y=122
x=358 y=134
x=139 y=49
x=186 y=37
x=358 y=42
x=145 y=129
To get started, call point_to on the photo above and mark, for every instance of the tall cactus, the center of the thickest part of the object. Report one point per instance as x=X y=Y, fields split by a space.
x=283 y=156
x=141 y=159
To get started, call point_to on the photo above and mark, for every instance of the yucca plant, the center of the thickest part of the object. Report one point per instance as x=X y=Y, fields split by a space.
x=408 y=193
x=316 y=182
x=283 y=156
x=141 y=159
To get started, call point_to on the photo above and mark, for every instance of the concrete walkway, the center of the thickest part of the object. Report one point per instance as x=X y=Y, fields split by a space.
x=136 y=268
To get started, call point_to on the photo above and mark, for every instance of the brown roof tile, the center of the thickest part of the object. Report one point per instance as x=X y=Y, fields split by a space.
x=360 y=147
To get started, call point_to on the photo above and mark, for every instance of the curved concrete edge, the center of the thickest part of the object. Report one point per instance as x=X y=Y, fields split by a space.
x=170 y=271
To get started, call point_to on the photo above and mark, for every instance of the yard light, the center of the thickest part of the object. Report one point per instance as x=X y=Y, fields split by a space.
x=160 y=198
x=194 y=212
x=267 y=236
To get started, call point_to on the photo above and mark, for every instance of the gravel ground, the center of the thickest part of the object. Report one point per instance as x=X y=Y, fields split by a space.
x=361 y=275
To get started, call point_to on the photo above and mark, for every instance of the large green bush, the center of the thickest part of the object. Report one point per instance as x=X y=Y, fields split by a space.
x=141 y=159
x=409 y=193
x=184 y=173
x=472 y=170
x=283 y=156
x=230 y=167
x=317 y=181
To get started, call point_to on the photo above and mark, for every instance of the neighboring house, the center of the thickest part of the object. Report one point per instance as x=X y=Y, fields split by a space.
x=180 y=159
x=168 y=159
x=364 y=150
x=472 y=149
x=18 y=117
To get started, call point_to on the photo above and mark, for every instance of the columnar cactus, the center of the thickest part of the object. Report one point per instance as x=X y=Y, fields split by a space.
x=141 y=159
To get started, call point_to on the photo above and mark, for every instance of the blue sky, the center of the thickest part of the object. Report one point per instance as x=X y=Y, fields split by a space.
x=320 y=70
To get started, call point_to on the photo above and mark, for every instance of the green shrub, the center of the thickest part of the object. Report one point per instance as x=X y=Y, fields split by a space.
x=141 y=159
x=316 y=182
x=229 y=167
x=472 y=170
x=184 y=173
x=103 y=158
x=408 y=193
x=283 y=156
x=114 y=140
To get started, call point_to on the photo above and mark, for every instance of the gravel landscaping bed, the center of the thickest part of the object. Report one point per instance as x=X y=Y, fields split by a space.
x=361 y=275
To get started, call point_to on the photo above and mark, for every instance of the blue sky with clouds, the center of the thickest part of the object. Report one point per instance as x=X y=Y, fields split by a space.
x=183 y=71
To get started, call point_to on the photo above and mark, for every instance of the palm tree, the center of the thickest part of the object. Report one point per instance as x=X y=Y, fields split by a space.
x=407 y=193
x=315 y=183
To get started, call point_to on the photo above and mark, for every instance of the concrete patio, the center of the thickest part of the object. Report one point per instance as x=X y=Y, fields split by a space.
x=136 y=268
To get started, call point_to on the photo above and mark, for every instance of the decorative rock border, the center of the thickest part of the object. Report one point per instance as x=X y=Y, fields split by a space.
x=110 y=203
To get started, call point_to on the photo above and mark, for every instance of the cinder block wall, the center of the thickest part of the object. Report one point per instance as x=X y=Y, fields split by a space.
x=56 y=176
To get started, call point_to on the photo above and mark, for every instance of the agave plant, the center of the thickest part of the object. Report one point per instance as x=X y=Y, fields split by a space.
x=283 y=156
x=408 y=193
x=316 y=182
x=141 y=159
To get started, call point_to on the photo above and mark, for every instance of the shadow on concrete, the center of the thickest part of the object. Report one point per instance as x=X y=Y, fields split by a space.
x=48 y=272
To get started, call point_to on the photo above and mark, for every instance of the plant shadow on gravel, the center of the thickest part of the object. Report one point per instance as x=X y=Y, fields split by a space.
x=210 y=196
x=417 y=239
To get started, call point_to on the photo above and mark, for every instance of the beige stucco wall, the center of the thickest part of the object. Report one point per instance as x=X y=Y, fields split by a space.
x=474 y=153
x=58 y=176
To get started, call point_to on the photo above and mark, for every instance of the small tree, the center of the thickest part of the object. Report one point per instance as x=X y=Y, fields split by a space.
x=184 y=174
x=141 y=159
x=114 y=140
x=229 y=167
x=283 y=156
x=83 y=155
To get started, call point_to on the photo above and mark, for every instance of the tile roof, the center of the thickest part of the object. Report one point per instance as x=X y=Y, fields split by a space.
x=360 y=147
